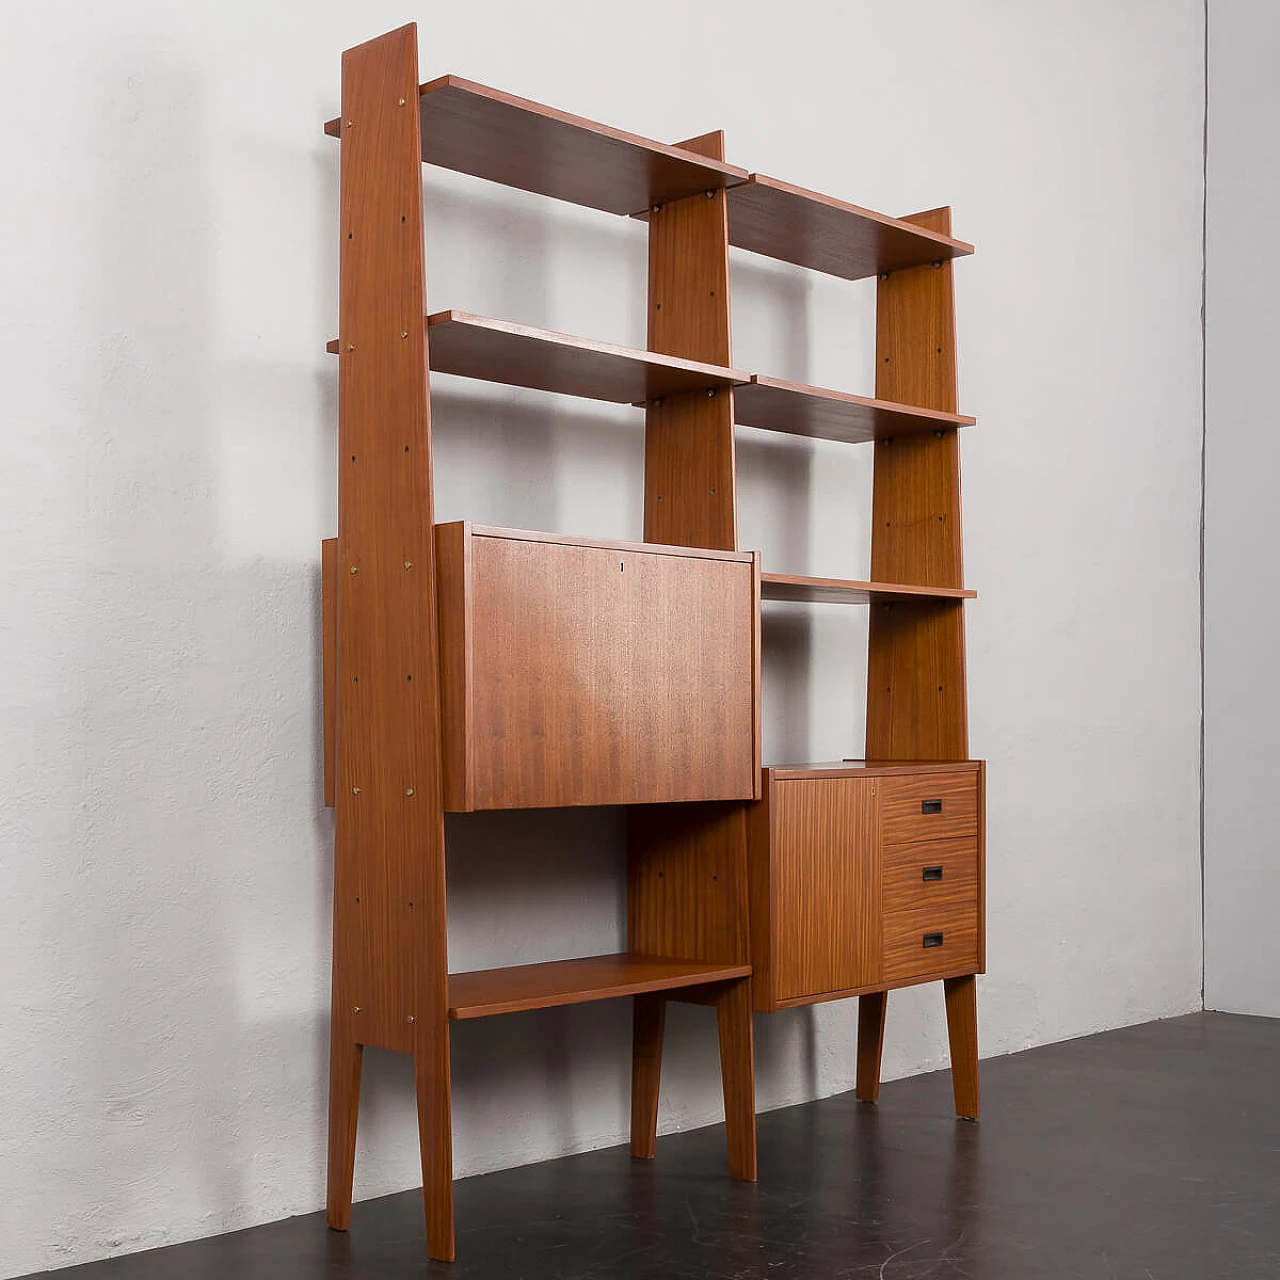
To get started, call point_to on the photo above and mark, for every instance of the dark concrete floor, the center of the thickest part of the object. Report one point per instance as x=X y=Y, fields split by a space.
x=1151 y=1153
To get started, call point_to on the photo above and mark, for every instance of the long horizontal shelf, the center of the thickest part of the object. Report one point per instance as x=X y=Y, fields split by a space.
x=498 y=351
x=543 y=986
x=866 y=768
x=781 y=221
x=775 y=405
x=801 y=590
x=490 y=134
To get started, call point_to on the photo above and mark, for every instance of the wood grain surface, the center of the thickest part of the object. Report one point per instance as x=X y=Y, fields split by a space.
x=826 y=901
x=601 y=675
x=799 y=589
x=782 y=221
x=690 y=477
x=793 y=408
x=389 y=967
x=929 y=807
x=933 y=873
x=519 y=355
x=905 y=952
x=483 y=993
x=916 y=695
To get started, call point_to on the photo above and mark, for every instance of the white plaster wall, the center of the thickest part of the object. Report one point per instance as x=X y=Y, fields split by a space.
x=1242 y=611
x=168 y=268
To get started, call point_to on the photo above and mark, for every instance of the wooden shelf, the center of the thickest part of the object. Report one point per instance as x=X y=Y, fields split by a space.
x=543 y=986
x=496 y=351
x=781 y=221
x=490 y=134
x=802 y=590
x=774 y=405
x=866 y=768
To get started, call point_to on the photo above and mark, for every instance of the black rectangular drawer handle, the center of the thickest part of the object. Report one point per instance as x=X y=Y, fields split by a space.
x=932 y=940
x=932 y=873
x=930 y=806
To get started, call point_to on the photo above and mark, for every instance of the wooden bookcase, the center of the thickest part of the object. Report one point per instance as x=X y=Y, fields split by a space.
x=468 y=667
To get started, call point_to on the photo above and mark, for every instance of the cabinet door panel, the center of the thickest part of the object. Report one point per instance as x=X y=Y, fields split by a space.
x=827 y=865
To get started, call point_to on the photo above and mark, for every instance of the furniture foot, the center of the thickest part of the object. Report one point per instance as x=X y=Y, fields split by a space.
x=646 y=1070
x=871 y=1011
x=962 y=1030
x=737 y=1073
x=431 y=1076
x=344 y=1107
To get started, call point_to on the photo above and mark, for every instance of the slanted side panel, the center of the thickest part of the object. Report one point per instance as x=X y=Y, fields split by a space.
x=916 y=699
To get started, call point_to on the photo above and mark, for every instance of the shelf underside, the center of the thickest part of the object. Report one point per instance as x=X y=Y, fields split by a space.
x=474 y=346
x=543 y=986
x=790 y=407
x=816 y=231
x=802 y=590
x=473 y=129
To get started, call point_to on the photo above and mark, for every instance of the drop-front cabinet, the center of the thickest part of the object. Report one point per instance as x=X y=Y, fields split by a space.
x=864 y=877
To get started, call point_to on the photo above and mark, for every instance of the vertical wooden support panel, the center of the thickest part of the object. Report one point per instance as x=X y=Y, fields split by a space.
x=390 y=972
x=689 y=478
x=916 y=699
x=328 y=656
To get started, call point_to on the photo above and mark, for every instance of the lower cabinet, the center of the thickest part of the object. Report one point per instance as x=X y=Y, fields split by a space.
x=863 y=877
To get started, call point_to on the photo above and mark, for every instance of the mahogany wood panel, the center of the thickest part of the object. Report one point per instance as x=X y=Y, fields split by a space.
x=603 y=675
x=389 y=968
x=916 y=700
x=917 y=703
x=871 y=1013
x=483 y=993
x=826 y=876
x=962 y=1031
x=690 y=483
x=737 y=1076
x=982 y=867
x=803 y=590
x=498 y=136
x=787 y=222
x=474 y=346
x=649 y=1017
x=933 y=873
x=905 y=952
x=795 y=409
x=761 y=882
x=455 y=620
x=687 y=881
x=345 y=1058
x=927 y=807
x=329 y=657
x=963 y=967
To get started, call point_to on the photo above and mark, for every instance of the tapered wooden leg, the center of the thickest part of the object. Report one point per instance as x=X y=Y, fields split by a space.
x=646 y=1070
x=431 y=1075
x=344 y=1106
x=962 y=1030
x=871 y=1011
x=737 y=1074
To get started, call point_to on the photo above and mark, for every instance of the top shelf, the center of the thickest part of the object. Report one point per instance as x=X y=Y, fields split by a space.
x=494 y=135
x=811 y=230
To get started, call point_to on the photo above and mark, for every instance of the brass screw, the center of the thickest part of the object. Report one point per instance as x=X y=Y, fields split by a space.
x=355 y=791
x=404 y=333
x=354 y=569
x=711 y=195
x=711 y=393
x=408 y=564
x=351 y=346
x=408 y=791
x=350 y=123
x=411 y=1017
x=356 y=1009
x=401 y=103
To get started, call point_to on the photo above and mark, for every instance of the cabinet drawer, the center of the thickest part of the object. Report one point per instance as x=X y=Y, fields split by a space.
x=934 y=873
x=924 y=940
x=928 y=806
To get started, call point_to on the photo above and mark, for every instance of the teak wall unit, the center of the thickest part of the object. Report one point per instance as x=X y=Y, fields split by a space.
x=468 y=667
